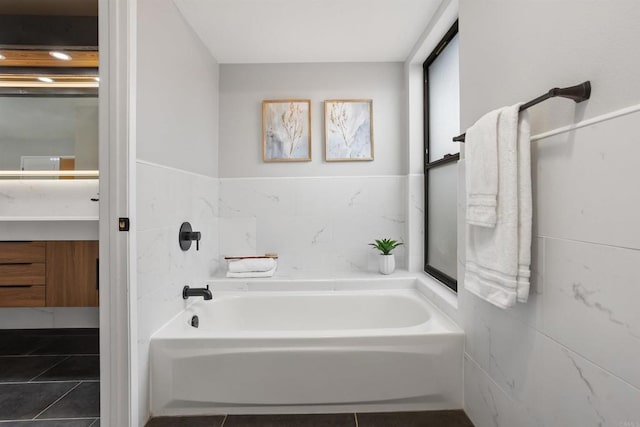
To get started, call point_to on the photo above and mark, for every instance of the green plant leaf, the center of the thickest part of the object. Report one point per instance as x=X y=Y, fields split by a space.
x=385 y=246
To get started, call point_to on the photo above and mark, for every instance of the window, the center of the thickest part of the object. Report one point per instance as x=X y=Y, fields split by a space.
x=441 y=124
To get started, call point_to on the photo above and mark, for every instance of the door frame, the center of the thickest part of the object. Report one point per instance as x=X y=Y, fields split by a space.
x=118 y=340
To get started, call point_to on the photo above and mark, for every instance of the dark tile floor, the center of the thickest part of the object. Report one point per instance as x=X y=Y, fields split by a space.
x=387 y=419
x=49 y=378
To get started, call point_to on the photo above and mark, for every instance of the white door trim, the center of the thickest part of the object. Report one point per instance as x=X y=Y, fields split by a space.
x=118 y=346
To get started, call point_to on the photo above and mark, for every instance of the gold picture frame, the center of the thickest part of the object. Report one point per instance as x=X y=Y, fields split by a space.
x=286 y=130
x=348 y=130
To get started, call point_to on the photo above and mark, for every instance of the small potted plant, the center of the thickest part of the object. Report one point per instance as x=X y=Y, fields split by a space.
x=386 y=261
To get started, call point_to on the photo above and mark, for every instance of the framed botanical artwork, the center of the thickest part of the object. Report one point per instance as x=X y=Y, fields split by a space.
x=348 y=129
x=286 y=130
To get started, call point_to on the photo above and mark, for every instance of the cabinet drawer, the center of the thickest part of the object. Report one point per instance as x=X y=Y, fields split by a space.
x=22 y=296
x=22 y=252
x=22 y=274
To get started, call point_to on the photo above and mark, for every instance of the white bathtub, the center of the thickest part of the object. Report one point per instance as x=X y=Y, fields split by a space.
x=311 y=350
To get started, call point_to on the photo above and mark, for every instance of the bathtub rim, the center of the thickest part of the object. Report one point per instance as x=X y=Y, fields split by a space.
x=445 y=324
x=438 y=293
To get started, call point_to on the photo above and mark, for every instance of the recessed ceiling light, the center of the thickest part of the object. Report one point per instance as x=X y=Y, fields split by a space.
x=2 y=57
x=96 y=79
x=60 y=55
x=45 y=79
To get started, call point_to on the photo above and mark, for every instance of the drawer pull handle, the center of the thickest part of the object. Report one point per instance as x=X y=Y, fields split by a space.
x=16 y=263
x=14 y=286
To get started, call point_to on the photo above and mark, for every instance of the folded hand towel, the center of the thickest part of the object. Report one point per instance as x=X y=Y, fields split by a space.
x=481 y=157
x=251 y=264
x=250 y=274
x=497 y=265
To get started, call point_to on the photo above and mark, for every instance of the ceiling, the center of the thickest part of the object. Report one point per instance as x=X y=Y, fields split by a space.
x=290 y=31
x=30 y=29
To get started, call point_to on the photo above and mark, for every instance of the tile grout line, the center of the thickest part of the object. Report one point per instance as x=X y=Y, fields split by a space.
x=94 y=421
x=30 y=353
x=49 y=368
x=587 y=242
x=59 y=399
x=355 y=418
x=224 y=420
x=582 y=356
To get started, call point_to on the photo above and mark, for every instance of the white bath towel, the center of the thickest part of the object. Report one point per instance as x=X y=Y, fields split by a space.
x=481 y=159
x=244 y=265
x=250 y=274
x=498 y=259
x=525 y=207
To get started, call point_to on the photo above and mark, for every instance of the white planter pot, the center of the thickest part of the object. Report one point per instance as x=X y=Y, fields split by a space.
x=387 y=263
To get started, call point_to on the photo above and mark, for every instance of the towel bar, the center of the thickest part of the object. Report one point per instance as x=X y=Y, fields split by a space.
x=577 y=93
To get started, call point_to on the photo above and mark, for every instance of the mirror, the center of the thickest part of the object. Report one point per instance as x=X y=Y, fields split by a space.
x=49 y=133
x=49 y=89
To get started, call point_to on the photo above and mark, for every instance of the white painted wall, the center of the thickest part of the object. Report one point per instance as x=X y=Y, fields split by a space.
x=178 y=87
x=177 y=145
x=244 y=87
x=317 y=216
x=569 y=357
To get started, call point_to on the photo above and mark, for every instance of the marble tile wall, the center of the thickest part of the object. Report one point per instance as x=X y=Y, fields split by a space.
x=415 y=223
x=49 y=199
x=166 y=197
x=315 y=224
x=569 y=357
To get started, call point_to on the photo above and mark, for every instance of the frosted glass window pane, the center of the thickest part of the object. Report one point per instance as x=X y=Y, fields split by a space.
x=442 y=214
x=444 y=102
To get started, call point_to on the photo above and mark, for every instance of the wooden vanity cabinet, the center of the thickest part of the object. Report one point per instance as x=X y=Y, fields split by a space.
x=22 y=274
x=49 y=274
x=72 y=273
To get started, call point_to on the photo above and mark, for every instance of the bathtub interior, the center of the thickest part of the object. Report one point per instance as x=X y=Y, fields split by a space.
x=313 y=311
x=257 y=366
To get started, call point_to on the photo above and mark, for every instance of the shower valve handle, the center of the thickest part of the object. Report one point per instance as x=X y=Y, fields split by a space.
x=187 y=235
